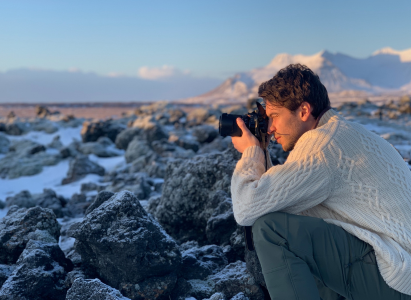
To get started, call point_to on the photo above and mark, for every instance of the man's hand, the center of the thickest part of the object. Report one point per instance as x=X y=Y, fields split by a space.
x=246 y=140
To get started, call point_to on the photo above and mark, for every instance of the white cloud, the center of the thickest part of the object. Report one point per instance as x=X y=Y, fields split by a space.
x=74 y=70
x=116 y=74
x=162 y=72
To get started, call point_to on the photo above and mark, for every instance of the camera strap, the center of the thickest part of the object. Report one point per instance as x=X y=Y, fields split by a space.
x=248 y=236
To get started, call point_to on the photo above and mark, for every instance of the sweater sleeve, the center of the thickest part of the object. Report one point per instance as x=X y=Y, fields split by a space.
x=292 y=187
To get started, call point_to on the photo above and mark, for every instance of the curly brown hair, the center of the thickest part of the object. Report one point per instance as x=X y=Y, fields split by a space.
x=293 y=85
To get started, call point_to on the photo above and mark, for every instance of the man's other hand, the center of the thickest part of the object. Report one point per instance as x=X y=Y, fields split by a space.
x=246 y=140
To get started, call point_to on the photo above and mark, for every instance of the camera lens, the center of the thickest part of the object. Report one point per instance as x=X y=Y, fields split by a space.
x=228 y=125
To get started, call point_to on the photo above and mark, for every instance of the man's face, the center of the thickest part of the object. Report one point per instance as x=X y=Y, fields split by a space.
x=286 y=126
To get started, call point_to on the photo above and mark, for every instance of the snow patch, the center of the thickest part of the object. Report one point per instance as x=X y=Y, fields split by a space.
x=50 y=178
x=3 y=212
x=109 y=163
x=67 y=135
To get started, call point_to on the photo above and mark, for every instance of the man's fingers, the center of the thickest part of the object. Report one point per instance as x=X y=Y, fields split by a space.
x=241 y=124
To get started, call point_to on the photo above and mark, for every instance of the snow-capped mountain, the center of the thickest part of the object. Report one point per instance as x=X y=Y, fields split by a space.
x=385 y=72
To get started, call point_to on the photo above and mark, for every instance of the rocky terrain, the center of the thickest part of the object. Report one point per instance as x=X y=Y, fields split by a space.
x=137 y=207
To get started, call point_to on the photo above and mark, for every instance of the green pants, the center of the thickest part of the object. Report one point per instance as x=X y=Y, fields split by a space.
x=299 y=253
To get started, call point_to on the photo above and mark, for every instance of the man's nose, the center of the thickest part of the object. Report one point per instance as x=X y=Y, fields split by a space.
x=271 y=128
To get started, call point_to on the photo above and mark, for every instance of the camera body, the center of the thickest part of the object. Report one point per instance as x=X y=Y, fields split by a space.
x=256 y=122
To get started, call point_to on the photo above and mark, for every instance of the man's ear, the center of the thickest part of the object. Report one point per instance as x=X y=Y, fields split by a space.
x=305 y=111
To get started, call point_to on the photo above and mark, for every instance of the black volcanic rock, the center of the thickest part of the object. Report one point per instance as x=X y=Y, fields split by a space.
x=175 y=114
x=205 y=133
x=199 y=262
x=16 y=226
x=125 y=246
x=149 y=129
x=22 y=199
x=185 y=142
x=16 y=128
x=165 y=148
x=192 y=190
x=156 y=169
x=151 y=288
x=124 y=138
x=226 y=284
x=103 y=147
x=240 y=296
x=92 y=131
x=93 y=289
x=221 y=224
x=152 y=203
x=56 y=143
x=216 y=296
x=49 y=199
x=219 y=144
x=26 y=147
x=39 y=274
x=72 y=150
x=73 y=275
x=254 y=267
x=44 y=125
x=91 y=186
x=201 y=115
x=76 y=206
x=139 y=148
x=235 y=279
x=102 y=197
x=181 y=289
x=136 y=183
x=42 y=111
x=5 y=272
x=80 y=166
x=235 y=251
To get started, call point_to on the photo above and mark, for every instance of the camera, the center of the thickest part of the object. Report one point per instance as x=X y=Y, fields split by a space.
x=256 y=122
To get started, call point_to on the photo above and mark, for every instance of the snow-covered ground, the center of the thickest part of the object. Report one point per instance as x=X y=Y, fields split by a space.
x=51 y=176
x=67 y=135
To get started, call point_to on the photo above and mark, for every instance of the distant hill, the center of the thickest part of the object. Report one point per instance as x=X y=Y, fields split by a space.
x=386 y=72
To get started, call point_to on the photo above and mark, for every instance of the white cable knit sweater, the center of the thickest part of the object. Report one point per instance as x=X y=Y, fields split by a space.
x=344 y=174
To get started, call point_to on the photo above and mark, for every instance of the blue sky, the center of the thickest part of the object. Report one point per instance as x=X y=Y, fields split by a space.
x=202 y=38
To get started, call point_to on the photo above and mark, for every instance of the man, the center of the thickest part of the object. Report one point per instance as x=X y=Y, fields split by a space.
x=339 y=208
